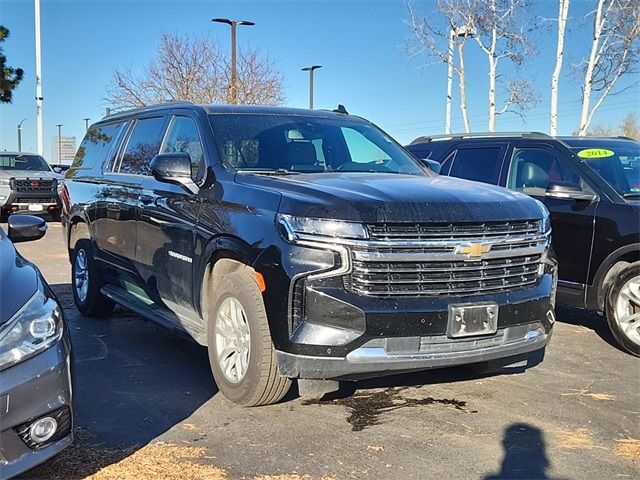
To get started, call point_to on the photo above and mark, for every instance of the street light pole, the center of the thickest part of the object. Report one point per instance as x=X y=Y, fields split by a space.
x=310 y=70
x=59 y=143
x=20 y=135
x=38 y=80
x=233 y=88
x=462 y=31
x=86 y=123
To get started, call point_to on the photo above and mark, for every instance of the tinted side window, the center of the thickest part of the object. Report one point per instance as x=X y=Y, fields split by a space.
x=478 y=164
x=183 y=137
x=96 y=145
x=143 y=145
x=532 y=169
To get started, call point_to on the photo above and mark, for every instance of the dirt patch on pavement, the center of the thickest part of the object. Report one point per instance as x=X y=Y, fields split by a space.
x=366 y=408
x=576 y=439
x=160 y=461
x=629 y=448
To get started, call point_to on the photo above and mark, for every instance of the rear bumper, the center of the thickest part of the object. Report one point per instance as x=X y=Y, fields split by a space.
x=31 y=390
x=395 y=355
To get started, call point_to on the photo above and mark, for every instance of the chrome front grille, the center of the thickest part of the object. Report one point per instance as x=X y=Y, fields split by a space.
x=407 y=262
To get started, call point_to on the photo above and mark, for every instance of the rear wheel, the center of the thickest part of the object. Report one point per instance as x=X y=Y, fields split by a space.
x=86 y=282
x=623 y=308
x=241 y=353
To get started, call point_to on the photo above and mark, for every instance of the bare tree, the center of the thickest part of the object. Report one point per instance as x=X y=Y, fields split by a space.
x=435 y=43
x=194 y=69
x=563 y=12
x=615 y=53
x=501 y=30
x=630 y=126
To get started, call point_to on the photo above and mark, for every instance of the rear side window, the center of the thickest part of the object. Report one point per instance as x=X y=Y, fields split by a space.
x=143 y=145
x=478 y=164
x=96 y=145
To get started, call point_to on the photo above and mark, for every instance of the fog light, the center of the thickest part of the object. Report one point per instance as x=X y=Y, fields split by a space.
x=43 y=429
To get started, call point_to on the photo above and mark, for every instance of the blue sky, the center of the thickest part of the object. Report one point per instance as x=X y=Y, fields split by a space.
x=360 y=44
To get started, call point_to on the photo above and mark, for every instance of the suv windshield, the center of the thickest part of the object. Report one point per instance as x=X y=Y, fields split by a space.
x=617 y=165
x=282 y=143
x=23 y=162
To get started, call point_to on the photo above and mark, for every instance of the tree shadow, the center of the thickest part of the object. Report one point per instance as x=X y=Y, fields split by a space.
x=133 y=381
x=525 y=454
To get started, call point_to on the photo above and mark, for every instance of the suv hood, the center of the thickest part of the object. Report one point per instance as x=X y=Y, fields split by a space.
x=374 y=198
x=18 y=278
x=28 y=174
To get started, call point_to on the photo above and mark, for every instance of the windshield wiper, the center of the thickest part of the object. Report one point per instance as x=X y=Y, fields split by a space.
x=279 y=171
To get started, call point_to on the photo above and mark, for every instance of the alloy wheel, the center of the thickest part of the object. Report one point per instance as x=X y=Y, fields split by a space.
x=81 y=275
x=627 y=309
x=233 y=340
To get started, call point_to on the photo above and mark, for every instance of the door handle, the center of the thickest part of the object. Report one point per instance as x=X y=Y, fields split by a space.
x=146 y=199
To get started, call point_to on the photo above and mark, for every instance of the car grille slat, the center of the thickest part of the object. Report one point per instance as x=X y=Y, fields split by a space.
x=422 y=260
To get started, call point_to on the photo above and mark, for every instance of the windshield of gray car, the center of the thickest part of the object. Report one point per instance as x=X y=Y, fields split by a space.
x=617 y=164
x=265 y=143
x=34 y=163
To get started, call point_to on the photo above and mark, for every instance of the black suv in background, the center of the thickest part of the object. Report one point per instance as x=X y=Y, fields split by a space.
x=302 y=244
x=591 y=186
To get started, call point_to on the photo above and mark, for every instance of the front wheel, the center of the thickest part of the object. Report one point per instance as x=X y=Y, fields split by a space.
x=623 y=308
x=241 y=353
x=87 y=282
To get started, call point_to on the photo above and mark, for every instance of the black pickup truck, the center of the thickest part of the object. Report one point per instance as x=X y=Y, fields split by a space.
x=301 y=244
x=591 y=186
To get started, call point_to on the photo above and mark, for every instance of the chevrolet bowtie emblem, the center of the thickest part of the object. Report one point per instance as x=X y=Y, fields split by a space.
x=474 y=249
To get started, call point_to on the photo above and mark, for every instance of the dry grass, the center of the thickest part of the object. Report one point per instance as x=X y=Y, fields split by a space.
x=159 y=461
x=629 y=448
x=576 y=439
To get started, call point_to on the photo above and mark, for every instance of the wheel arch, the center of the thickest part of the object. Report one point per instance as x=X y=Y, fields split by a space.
x=78 y=230
x=222 y=255
x=613 y=264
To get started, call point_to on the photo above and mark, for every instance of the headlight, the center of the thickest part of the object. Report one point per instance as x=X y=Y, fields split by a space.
x=545 y=222
x=36 y=327
x=5 y=182
x=299 y=228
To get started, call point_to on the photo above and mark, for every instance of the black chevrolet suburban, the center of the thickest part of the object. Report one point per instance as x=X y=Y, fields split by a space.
x=591 y=186
x=301 y=244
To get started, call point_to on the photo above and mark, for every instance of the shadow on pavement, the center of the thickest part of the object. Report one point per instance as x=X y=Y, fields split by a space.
x=525 y=455
x=591 y=320
x=133 y=380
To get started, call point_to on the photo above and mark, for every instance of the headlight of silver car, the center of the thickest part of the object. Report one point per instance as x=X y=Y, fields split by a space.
x=35 y=327
x=545 y=223
x=5 y=182
x=300 y=228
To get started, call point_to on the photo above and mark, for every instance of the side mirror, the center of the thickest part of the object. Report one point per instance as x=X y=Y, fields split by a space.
x=174 y=168
x=432 y=165
x=25 y=228
x=565 y=190
x=57 y=169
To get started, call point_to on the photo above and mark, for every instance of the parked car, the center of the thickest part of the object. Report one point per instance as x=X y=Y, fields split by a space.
x=302 y=244
x=591 y=186
x=35 y=386
x=28 y=184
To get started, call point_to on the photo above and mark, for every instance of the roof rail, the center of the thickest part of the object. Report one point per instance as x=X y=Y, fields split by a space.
x=146 y=108
x=452 y=136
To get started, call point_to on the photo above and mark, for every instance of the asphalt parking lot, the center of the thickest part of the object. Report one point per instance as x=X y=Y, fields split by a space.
x=146 y=406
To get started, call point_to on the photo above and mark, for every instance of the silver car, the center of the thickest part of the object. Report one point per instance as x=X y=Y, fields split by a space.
x=28 y=184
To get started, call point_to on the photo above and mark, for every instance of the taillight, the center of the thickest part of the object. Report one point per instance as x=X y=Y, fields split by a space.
x=64 y=198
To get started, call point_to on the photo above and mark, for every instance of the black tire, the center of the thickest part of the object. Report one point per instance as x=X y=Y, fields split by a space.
x=262 y=383
x=619 y=282
x=94 y=304
x=56 y=215
x=4 y=216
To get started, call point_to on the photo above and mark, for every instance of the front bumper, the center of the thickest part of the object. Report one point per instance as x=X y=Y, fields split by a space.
x=31 y=390
x=346 y=336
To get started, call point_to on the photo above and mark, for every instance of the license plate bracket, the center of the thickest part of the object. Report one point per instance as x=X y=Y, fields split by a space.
x=472 y=319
